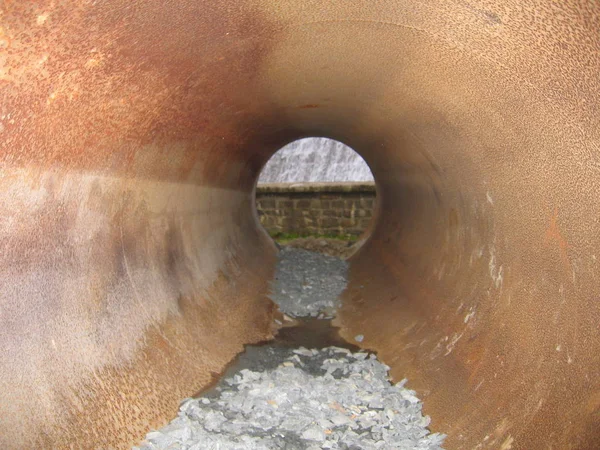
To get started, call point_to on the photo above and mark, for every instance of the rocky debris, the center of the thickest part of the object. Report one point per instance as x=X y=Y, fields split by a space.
x=282 y=396
x=307 y=284
x=339 y=248
x=344 y=402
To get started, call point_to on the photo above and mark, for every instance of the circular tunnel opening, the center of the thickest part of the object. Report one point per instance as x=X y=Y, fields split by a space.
x=317 y=193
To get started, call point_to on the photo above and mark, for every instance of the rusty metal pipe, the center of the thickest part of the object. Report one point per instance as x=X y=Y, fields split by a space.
x=132 y=266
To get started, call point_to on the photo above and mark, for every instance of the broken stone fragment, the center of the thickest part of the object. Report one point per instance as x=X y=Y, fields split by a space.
x=314 y=434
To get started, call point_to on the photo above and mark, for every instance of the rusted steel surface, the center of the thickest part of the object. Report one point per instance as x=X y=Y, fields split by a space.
x=131 y=261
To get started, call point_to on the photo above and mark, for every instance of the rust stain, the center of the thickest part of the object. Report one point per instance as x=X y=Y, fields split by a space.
x=91 y=94
x=553 y=235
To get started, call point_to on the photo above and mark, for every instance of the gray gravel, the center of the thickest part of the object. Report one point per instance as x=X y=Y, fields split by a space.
x=308 y=284
x=281 y=395
x=350 y=404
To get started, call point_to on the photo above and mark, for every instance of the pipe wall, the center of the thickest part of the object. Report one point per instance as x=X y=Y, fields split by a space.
x=132 y=264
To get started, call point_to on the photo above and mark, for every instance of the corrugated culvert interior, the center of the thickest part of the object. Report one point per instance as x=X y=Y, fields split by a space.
x=132 y=265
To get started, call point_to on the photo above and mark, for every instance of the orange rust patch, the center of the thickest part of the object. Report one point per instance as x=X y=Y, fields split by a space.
x=553 y=235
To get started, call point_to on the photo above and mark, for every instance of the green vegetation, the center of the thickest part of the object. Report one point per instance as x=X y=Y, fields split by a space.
x=286 y=237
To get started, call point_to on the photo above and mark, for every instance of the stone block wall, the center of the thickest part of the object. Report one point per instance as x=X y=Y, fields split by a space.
x=337 y=209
